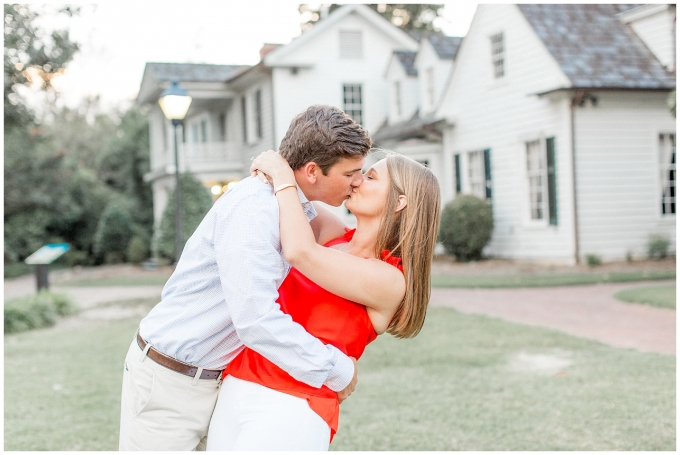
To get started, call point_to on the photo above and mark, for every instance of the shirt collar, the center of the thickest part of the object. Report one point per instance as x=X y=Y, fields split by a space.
x=307 y=206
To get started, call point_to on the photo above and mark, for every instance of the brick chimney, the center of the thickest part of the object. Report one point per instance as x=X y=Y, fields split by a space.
x=267 y=48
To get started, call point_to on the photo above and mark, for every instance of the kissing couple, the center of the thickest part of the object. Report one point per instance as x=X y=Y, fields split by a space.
x=255 y=341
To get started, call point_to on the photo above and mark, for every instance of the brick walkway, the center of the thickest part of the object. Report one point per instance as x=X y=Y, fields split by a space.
x=585 y=311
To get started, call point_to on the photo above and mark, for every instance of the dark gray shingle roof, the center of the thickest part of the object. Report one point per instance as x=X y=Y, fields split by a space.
x=194 y=72
x=594 y=49
x=406 y=58
x=446 y=47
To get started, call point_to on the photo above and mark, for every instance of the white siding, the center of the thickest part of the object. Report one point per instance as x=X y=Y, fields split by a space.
x=502 y=115
x=617 y=172
x=409 y=92
x=656 y=31
x=322 y=83
x=426 y=61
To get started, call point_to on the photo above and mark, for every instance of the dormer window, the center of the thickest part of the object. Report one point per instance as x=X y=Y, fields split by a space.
x=351 y=44
x=498 y=55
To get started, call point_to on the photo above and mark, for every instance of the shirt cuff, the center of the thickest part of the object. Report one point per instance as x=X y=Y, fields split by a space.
x=342 y=373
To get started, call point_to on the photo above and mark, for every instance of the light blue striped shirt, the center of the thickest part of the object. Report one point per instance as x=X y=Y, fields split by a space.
x=223 y=294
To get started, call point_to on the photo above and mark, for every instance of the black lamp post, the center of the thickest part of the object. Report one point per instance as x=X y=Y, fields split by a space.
x=175 y=103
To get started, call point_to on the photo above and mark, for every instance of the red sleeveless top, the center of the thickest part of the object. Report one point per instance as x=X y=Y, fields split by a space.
x=331 y=319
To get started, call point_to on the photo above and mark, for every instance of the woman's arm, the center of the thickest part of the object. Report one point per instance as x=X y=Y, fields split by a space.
x=326 y=225
x=371 y=282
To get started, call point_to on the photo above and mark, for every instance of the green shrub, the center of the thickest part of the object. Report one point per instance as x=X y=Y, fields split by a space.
x=75 y=257
x=113 y=233
x=36 y=311
x=138 y=250
x=196 y=201
x=657 y=246
x=593 y=260
x=466 y=227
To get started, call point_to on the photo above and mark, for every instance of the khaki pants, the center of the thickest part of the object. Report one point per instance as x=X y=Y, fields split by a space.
x=162 y=409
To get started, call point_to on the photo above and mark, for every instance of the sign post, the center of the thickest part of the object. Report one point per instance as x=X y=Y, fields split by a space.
x=46 y=255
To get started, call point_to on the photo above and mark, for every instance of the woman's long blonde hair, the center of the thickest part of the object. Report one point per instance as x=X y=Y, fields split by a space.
x=410 y=234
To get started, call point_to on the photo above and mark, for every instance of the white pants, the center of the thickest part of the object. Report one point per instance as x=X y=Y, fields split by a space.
x=162 y=409
x=249 y=416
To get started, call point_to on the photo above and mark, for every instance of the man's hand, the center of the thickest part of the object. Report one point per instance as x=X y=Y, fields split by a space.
x=347 y=391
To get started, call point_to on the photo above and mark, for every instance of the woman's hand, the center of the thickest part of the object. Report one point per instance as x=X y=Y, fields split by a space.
x=274 y=166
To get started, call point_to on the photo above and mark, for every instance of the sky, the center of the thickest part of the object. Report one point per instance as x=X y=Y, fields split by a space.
x=118 y=38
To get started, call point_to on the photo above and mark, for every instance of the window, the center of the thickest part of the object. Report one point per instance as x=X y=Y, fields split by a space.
x=351 y=44
x=535 y=174
x=430 y=85
x=397 y=97
x=667 y=156
x=204 y=131
x=194 y=133
x=476 y=173
x=457 y=170
x=351 y=101
x=244 y=118
x=223 y=127
x=542 y=179
x=498 y=55
x=258 y=113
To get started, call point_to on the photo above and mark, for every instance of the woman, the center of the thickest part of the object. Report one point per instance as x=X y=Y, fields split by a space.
x=345 y=287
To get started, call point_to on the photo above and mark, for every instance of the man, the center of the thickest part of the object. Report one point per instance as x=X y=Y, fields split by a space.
x=222 y=295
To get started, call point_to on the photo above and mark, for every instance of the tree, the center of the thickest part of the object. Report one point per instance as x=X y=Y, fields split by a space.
x=196 y=201
x=30 y=55
x=410 y=17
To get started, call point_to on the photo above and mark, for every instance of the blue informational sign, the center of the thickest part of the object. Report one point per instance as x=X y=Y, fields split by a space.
x=47 y=254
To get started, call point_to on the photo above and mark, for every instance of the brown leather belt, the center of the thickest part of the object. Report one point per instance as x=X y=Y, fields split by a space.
x=176 y=365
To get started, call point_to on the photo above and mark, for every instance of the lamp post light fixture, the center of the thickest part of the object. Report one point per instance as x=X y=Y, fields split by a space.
x=175 y=102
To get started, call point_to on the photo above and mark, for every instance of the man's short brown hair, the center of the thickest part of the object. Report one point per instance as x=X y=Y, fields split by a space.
x=324 y=135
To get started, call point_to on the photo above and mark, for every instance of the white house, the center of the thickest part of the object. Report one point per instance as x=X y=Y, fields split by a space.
x=417 y=81
x=238 y=111
x=557 y=115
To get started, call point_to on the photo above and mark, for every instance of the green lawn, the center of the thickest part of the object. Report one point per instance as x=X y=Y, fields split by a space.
x=660 y=295
x=465 y=383
x=565 y=279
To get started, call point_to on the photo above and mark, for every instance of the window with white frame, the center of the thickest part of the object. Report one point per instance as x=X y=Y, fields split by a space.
x=498 y=55
x=352 y=101
x=397 y=98
x=667 y=157
x=429 y=80
x=536 y=171
x=351 y=45
x=476 y=178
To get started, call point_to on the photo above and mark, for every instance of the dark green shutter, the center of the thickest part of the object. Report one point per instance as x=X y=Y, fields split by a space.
x=458 y=182
x=487 y=173
x=552 y=181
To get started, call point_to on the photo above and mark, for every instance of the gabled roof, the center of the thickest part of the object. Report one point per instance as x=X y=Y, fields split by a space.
x=594 y=49
x=193 y=72
x=446 y=47
x=406 y=41
x=406 y=58
x=415 y=127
